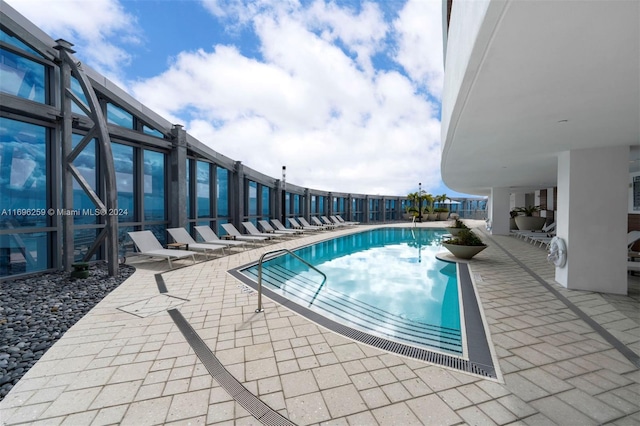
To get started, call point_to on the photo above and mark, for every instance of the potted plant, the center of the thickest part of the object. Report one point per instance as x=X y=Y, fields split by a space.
x=442 y=213
x=512 y=221
x=465 y=245
x=431 y=213
x=527 y=221
x=458 y=226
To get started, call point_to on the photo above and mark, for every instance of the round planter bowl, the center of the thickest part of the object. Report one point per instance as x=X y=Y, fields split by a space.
x=530 y=223
x=463 y=252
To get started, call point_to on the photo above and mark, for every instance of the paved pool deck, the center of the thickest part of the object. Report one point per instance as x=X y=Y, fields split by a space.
x=128 y=361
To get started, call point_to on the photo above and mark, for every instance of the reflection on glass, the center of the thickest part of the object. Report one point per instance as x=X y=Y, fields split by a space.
x=85 y=162
x=253 y=198
x=9 y=39
x=119 y=117
x=188 y=170
x=265 y=201
x=154 y=204
x=82 y=241
x=23 y=174
x=123 y=161
x=223 y=191
x=203 y=192
x=152 y=132
x=23 y=252
x=296 y=205
x=77 y=90
x=22 y=77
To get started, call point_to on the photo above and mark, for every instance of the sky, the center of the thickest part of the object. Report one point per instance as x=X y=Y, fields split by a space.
x=345 y=94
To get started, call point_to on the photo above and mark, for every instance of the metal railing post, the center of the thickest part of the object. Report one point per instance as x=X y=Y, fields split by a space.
x=260 y=308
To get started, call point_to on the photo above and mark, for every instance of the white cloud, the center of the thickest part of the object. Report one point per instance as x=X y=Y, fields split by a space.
x=334 y=121
x=419 y=32
x=313 y=101
x=98 y=28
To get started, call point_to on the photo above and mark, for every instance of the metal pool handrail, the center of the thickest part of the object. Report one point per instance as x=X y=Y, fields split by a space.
x=260 y=309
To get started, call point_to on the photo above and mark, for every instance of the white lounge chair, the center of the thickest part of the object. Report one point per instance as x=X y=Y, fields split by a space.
x=231 y=230
x=148 y=245
x=266 y=227
x=252 y=230
x=305 y=226
x=526 y=234
x=632 y=237
x=180 y=235
x=330 y=222
x=318 y=222
x=207 y=234
x=280 y=227
x=348 y=222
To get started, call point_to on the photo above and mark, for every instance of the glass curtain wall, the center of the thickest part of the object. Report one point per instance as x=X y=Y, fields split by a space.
x=25 y=220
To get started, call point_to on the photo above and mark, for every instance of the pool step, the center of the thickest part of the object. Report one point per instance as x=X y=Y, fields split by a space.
x=341 y=307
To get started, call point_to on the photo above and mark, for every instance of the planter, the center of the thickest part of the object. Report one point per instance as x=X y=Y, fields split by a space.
x=432 y=216
x=443 y=215
x=530 y=223
x=454 y=231
x=463 y=252
x=80 y=270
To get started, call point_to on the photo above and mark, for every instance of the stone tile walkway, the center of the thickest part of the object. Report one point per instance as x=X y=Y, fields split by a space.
x=127 y=362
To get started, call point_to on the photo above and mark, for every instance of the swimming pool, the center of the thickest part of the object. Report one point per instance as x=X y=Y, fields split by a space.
x=385 y=281
x=429 y=311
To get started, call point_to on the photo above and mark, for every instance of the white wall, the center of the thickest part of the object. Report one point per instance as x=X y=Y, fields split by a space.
x=592 y=218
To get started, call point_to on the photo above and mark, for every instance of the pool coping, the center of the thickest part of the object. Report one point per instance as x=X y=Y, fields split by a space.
x=479 y=360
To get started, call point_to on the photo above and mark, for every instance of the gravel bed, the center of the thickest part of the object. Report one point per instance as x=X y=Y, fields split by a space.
x=36 y=311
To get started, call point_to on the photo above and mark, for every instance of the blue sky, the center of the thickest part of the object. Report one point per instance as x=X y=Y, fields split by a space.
x=346 y=94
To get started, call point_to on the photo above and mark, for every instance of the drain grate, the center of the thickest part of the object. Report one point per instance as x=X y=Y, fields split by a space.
x=258 y=409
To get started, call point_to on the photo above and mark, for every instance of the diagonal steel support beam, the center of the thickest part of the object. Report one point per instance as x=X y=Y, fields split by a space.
x=71 y=67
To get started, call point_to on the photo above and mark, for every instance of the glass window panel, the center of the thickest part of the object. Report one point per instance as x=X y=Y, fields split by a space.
x=23 y=174
x=152 y=132
x=119 y=117
x=313 y=204
x=23 y=252
x=203 y=187
x=320 y=205
x=22 y=77
x=85 y=162
x=77 y=90
x=125 y=243
x=160 y=232
x=253 y=198
x=125 y=181
x=9 y=39
x=221 y=230
x=296 y=205
x=287 y=202
x=188 y=169
x=82 y=241
x=222 y=183
x=266 y=211
x=154 y=205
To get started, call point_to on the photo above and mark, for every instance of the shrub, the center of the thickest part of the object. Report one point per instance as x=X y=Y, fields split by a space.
x=459 y=224
x=466 y=238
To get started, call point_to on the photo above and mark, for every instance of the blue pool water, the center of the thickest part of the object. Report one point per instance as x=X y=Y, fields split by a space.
x=386 y=282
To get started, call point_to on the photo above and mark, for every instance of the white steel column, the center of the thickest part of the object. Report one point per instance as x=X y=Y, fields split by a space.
x=499 y=211
x=592 y=218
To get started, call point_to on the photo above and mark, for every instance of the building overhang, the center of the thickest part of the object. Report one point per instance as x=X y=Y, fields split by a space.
x=541 y=78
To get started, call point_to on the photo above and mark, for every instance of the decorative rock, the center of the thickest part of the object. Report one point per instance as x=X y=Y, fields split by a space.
x=36 y=311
